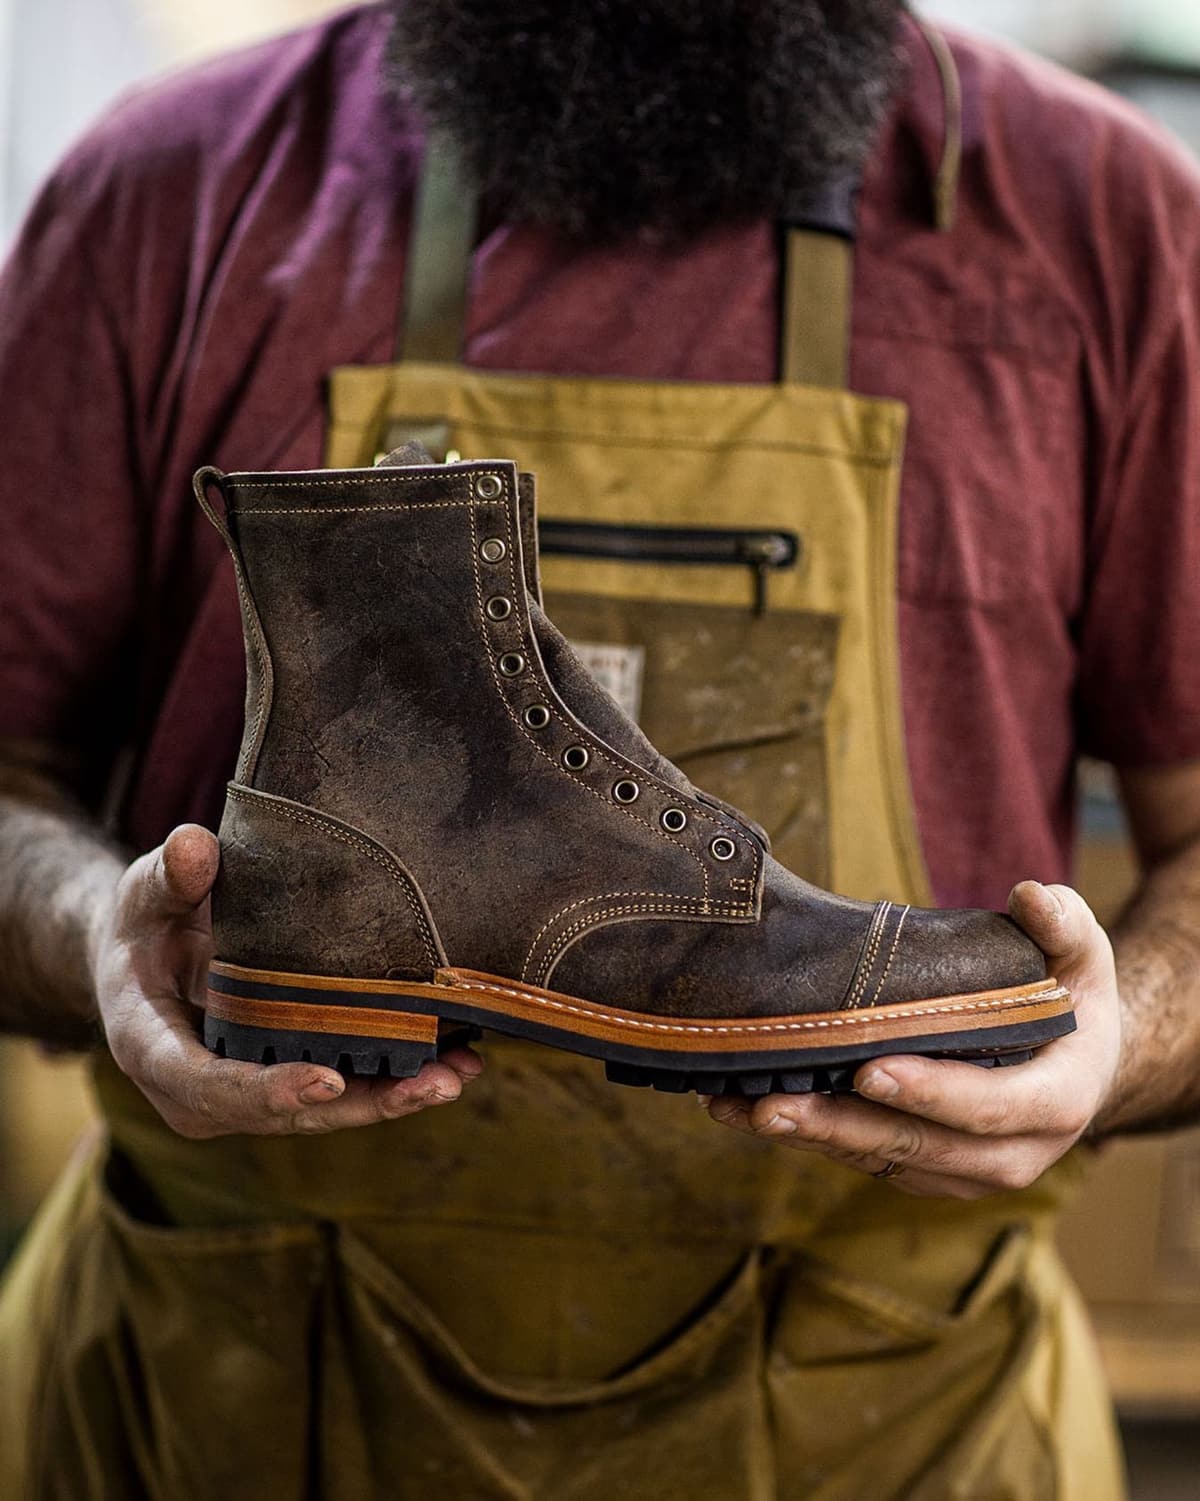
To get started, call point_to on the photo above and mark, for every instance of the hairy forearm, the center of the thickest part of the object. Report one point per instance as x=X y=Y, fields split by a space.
x=1157 y=948
x=57 y=876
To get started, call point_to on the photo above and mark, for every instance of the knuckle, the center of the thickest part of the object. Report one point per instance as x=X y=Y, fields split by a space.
x=1073 y=1119
x=189 y=1126
x=124 y=1052
x=278 y=1098
x=994 y=1118
x=906 y=1145
x=1014 y=1174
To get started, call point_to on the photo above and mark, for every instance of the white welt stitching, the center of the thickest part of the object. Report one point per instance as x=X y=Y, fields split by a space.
x=859 y=1019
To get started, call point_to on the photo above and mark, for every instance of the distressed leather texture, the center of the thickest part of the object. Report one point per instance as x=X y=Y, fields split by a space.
x=388 y=627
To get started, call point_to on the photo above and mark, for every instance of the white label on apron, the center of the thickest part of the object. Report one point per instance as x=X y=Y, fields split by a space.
x=618 y=670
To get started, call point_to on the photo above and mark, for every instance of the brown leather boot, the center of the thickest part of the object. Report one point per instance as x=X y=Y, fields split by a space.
x=440 y=818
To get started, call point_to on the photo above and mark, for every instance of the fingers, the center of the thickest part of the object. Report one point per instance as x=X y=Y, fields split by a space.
x=1058 y=920
x=190 y=857
x=171 y=882
x=1028 y=1098
x=868 y=1137
x=202 y=1096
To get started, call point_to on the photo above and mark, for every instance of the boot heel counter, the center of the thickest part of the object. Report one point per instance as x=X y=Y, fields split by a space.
x=302 y=891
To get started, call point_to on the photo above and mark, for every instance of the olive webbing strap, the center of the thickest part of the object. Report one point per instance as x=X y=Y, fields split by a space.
x=816 y=275
x=440 y=241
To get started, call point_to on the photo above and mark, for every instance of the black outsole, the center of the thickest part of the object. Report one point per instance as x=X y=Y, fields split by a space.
x=824 y=1071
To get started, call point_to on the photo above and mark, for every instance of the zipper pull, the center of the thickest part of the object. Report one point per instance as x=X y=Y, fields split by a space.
x=762 y=554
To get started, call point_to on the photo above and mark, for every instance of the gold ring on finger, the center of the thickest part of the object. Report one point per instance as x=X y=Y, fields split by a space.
x=889 y=1169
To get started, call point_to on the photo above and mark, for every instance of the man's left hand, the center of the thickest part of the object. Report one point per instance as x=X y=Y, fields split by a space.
x=955 y=1130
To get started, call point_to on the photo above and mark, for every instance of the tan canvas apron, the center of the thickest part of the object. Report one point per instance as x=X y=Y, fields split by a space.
x=558 y=1288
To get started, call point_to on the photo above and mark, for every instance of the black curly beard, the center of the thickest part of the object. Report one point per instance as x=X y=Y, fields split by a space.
x=608 y=117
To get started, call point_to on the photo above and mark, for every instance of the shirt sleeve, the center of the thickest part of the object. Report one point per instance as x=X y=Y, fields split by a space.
x=1139 y=633
x=69 y=562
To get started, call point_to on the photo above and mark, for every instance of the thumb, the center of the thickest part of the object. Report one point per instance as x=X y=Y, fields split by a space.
x=1057 y=918
x=178 y=876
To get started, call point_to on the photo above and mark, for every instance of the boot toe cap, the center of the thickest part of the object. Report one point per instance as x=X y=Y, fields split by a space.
x=961 y=953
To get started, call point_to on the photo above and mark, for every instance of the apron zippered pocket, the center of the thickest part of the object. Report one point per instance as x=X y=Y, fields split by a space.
x=760 y=551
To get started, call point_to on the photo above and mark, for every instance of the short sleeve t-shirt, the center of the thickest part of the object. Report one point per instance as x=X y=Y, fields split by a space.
x=222 y=240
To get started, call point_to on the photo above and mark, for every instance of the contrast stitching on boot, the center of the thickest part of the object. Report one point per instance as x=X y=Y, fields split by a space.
x=623 y=766
x=254 y=630
x=815 y=1024
x=606 y=896
x=411 y=505
x=508 y=709
x=890 y=957
x=385 y=861
x=703 y=908
x=867 y=963
x=377 y=476
x=678 y=908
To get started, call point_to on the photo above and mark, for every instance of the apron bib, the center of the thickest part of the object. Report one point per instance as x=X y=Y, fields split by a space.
x=558 y=1288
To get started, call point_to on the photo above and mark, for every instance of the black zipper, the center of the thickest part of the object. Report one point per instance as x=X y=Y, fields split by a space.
x=760 y=551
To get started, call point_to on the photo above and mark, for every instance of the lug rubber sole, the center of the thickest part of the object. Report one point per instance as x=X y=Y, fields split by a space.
x=391 y=1027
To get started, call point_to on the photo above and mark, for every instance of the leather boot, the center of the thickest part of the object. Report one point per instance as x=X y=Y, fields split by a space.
x=440 y=819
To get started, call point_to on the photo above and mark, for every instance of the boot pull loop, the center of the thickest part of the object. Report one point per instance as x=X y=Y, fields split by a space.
x=201 y=480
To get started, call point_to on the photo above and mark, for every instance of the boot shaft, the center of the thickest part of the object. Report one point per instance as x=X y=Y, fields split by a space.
x=396 y=686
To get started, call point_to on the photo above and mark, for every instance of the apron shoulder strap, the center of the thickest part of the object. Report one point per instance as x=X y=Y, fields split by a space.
x=816 y=279
x=817 y=260
x=816 y=285
x=440 y=241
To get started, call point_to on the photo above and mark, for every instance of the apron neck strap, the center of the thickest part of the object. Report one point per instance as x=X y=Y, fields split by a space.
x=440 y=241
x=816 y=281
x=816 y=254
x=816 y=274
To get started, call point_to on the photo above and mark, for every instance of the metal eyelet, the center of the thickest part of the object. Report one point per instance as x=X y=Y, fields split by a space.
x=576 y=757
x=511 y=663
x=674 y=820
x=489 y=486
x=499 y=607
x=537 y=716
x=722 y=848
x=492 y=549
x=626 y=791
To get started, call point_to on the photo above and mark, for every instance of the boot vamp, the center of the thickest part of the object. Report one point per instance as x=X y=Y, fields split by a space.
x=798 y=957
x=809 y=952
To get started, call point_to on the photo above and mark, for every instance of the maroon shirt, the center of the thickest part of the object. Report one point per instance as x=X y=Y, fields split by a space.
x=222 y=240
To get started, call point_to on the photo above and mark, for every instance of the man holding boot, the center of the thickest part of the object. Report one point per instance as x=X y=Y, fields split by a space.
x=795 y=231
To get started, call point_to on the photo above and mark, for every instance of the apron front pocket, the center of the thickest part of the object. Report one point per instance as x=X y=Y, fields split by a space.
x=178 y=1367
x=932 y=1401
x=686 y=1416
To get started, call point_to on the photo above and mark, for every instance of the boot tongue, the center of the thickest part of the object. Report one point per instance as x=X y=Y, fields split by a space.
x=407 y=453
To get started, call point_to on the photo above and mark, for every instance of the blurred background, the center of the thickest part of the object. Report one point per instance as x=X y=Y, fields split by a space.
x=1135 y=1241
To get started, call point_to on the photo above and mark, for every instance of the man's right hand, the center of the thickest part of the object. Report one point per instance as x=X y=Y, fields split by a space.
x=150 y=950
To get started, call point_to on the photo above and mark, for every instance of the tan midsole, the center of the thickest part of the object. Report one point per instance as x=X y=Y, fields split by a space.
x=511 y=999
